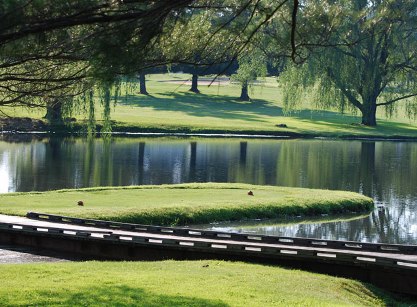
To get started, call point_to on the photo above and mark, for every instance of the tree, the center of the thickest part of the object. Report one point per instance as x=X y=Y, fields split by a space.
x=48 y=46
x=194 y=84
x=252 y=65
x=368 y=59
x=198 y=46
x=55 y=53
x=38 y=76
x=142 y=83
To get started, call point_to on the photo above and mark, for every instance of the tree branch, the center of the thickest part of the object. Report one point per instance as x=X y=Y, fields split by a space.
x=396 y=99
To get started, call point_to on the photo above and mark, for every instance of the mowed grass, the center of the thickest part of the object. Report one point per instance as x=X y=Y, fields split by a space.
x=179 y=283
x=185 y=203
x=171 y=107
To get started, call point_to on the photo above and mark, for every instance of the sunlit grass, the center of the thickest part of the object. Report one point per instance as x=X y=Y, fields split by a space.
x=170 y=106
x=185 y=203
x=185 y=283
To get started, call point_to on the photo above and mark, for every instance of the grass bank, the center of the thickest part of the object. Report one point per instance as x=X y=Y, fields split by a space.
x=185 y=283
x=170 y=107
x=183 y=204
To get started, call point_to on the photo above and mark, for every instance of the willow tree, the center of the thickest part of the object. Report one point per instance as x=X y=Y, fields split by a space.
x=52 y=51
x=367 y=60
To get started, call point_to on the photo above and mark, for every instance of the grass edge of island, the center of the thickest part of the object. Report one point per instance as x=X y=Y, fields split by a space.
x=308 y=202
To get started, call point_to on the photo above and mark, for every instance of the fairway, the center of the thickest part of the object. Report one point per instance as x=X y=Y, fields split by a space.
x=185 y=203
x=170 y=107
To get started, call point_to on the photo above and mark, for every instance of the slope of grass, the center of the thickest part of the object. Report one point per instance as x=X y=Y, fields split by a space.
x=171 y=107
x=185 y=203
x=186 y=283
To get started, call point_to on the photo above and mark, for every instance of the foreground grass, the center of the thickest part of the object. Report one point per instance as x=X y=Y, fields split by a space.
x=171 y=283
x=171 y=107
x=185 y=203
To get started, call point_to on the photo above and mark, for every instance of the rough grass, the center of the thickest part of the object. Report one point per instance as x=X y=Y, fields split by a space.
x=183 y=204
x=171 y=107
x=186 y=283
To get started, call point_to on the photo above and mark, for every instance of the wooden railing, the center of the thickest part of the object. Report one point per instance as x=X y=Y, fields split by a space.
x=218 y=246
x=238 y=237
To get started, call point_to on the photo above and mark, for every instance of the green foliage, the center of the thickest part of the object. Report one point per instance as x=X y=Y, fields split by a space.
x=252 y=64
x=60 y=50
x=366 y=60
x=291 y=81
x=106 y=110
x=91 y=126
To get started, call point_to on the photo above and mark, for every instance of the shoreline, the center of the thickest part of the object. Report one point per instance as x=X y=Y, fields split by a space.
x=154 y=132
x=28 y=126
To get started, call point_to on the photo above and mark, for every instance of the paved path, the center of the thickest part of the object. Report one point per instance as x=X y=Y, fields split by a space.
x=18 y=254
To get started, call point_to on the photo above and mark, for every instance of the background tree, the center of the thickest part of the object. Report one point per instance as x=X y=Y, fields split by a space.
x=142 y=83
x=368 y=59
x=252 y=65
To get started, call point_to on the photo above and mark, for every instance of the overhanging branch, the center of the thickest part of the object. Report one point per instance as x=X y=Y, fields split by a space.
x=396 y=99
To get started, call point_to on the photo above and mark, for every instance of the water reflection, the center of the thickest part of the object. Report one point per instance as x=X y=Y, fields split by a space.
x=385 y=171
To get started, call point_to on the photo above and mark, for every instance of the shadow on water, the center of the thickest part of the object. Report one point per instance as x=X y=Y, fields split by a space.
x=116 y=295
x=256 y=226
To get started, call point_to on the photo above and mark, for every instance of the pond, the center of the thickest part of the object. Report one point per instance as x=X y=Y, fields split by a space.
x=384 y=170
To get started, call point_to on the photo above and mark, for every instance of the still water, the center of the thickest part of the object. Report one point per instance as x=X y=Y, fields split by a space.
x=386 y=171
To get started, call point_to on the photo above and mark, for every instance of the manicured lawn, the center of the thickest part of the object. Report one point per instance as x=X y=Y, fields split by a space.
x=185 y=203
x=179 y=283
x=171 y=107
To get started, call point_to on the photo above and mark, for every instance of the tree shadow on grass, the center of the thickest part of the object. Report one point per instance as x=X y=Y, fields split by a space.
x=388 y=298
x=118 y=296
x=351 y=123
x=203 y=105
x=227 y=107
x=257 y=110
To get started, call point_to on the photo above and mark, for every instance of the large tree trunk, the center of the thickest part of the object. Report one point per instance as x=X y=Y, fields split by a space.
x=194 y=84
x=369 y=112
x=54 y=112
x=142 y=84
x=244 y=96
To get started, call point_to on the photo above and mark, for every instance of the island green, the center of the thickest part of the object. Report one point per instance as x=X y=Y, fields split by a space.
x=182 y=204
